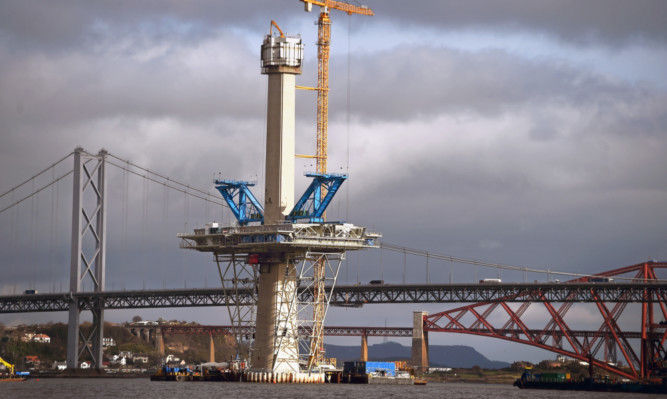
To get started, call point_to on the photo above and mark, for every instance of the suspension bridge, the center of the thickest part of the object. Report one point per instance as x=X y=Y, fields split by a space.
x=35 y=260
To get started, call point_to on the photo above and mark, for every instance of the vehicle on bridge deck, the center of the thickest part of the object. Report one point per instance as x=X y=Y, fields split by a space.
x=600 y=280
x=490 y=281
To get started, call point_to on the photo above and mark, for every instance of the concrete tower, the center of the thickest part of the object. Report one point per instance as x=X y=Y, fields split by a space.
x=281 y=61
x=274 y=260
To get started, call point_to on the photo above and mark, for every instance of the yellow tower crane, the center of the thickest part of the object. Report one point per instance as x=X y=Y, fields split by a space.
x=323 y=41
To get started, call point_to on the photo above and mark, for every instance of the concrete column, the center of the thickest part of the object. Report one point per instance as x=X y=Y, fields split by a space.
x=364 y=347
x=280 y=147
x=271 y=289
x=419 y=342
x=281 y=61
x=159 y=341
x=211 y=347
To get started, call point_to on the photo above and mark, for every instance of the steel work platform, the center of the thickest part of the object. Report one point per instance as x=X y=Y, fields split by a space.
x=280 y=238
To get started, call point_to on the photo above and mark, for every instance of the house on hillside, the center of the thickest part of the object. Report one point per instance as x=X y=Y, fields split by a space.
x=31 y=361
x=140 y=358
x=85 y=365
x=41 y=338
x=27 y=337
x=107 y=342
x=125 y=354
x=60 y=366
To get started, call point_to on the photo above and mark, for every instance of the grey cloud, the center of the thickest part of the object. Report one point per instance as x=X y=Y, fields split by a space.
x=611 y=23
x=59 y=90
x=423 y=82
x=486 y=155
x=50 y=26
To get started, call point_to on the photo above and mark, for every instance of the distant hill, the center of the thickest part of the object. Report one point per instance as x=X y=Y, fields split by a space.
x=439 y=355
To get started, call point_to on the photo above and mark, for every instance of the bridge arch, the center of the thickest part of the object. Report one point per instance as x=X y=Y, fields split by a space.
x=645 y=359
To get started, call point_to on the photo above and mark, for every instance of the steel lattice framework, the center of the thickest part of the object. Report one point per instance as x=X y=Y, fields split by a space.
x=333 y=331
x=237 y=276
x=645 y=359
x=348 y=296
x=357 y=331
x=88 y=253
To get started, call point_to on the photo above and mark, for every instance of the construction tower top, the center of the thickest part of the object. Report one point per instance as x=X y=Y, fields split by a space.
x=282 y=53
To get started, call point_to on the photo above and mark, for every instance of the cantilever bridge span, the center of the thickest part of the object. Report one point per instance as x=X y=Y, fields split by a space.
x=644 y=358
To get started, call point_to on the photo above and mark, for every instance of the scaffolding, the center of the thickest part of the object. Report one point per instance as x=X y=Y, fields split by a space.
x=242 y=251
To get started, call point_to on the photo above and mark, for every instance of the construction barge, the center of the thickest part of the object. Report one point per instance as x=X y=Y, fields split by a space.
x=10 y=375
x=563 y=382
x=358 y=372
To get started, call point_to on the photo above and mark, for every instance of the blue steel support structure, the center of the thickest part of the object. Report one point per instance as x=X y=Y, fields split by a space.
x=311 y=205
x=241 y=201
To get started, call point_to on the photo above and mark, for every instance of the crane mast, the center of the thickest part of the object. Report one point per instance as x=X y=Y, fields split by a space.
x=323 y=43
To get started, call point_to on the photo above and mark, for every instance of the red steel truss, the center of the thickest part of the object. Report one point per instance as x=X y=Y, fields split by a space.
x=646 y=359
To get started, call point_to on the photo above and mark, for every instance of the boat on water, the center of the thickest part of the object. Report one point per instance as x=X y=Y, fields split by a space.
x=204 y=372
x=167 y=373
x=374 y=373
x=12 y=378
x=10 y=375
x=562 y=381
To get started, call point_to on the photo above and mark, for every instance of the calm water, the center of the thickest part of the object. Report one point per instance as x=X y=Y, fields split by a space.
x=145 y=389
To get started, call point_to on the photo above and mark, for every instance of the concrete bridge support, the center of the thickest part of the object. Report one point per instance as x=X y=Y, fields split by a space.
x=276 y=347
x=419 y=342
x=211 y=347
x=159 y=341
x=364 y=347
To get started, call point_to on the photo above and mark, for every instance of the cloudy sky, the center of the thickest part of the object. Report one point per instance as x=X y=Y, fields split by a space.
x=529 y=133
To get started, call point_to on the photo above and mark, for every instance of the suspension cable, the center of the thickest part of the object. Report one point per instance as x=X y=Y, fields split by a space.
x=38 y=174
x=36 y=192
x=454 y=259
x=186 y=190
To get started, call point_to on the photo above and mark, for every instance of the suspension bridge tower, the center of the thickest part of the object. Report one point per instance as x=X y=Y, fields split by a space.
x=277 y=251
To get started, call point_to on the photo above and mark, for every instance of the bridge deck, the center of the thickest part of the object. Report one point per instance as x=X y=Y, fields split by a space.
x=353 y=296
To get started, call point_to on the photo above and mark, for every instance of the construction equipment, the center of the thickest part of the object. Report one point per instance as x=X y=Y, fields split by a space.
x=323 y=41
x=9 y=366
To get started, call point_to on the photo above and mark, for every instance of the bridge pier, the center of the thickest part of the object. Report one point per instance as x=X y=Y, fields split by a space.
x=211 y=347
x=159 y=341
x=419 y=342
x=364 y=347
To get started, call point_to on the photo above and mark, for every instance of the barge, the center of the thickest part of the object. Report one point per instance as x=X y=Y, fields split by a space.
x=563 y=382
x=374 y=373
